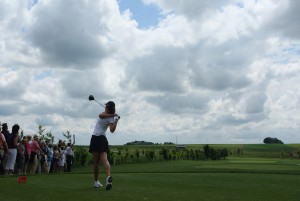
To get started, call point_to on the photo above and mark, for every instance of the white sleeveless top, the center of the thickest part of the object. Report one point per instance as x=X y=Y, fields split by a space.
x=102 y=125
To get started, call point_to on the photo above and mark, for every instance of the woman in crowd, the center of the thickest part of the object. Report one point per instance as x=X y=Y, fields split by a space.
x=62 y=159
x=49 y=156
x=35 y=150
x=3 y=150
x=20 y=156
x=55 y=160
x=12 y=143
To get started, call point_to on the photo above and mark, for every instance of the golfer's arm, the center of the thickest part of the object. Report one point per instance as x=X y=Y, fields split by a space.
x=104 y=115
x=113 y=126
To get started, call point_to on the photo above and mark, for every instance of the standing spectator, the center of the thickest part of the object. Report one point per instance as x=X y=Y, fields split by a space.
x=3 y=150
x=12 y=143
x=35 y=150
x=55 y=161
x=6 y=133
x=27 y=153
x=44 y=161
x=20 y=156
x=70 y=156
x=49 y=157
x=62 y=159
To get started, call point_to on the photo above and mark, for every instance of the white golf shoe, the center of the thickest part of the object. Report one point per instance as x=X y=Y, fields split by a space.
x=97 y=184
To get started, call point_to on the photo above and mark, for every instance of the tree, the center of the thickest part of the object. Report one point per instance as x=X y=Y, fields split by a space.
x=41 y=133
x=270 y=140
x=137 y=155
x=207 y=151
x=68 y=135
x=224 y=153
x=164 y=153
x=49 y=137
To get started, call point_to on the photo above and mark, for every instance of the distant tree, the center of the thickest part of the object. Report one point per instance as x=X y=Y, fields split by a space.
x=270 y=140
x=150 y=155
x=199 y=154
x=168 y=143
x=68 y=136
x=214 y=154
x=49 y=138
x=41 y=133
x=139 y=143
x=137 y=155
x=224 y=153
x=164 y=153
x=207 y=151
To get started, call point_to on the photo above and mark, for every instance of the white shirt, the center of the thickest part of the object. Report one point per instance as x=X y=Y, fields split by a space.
x=69 y=151
x=102 y=125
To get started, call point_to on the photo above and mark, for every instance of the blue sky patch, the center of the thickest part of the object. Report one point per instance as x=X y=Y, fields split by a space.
x=146 y=15
x=32 y=3
x=44 y=74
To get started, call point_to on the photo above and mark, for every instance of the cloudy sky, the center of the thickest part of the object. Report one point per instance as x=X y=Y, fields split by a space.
x=195 y=71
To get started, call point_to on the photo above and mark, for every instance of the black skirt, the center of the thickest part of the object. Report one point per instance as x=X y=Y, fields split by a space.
x=98 y=144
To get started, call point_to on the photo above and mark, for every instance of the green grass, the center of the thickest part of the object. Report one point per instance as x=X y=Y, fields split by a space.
x=236 y=179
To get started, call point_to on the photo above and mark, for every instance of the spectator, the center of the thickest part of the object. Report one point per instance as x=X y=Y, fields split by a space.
x=26 y=153
x=35 y=150
x=55 y=161
x=6 y=133
x=49 y=156
x=43 y=161
x=69 y=156
x=3 y=150
x=12 y=143
x=20 y=156
x=62 y=159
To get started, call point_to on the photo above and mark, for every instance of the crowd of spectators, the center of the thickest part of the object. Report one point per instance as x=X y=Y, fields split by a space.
x=30 y=155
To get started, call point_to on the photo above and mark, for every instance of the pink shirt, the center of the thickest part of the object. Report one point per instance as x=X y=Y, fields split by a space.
x=35 y=146
x=28 y=147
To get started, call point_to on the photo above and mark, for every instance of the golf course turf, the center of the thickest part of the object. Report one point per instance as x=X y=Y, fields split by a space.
x=239 y=179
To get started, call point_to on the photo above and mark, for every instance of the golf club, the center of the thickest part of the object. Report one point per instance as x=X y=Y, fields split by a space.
x=91 y=98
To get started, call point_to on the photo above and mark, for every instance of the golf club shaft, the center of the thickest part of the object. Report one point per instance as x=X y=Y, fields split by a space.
x=99 y=103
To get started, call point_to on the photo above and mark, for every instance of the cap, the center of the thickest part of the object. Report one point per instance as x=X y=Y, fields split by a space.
x=110 y=104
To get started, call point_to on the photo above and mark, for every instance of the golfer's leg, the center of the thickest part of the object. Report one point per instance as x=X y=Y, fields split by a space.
x=105 y=162
x=96 y=158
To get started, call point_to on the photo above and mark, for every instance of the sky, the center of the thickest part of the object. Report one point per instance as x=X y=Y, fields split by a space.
x=187 y=72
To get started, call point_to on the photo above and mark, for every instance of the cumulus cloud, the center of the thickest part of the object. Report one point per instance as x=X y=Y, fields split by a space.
x=208 y=72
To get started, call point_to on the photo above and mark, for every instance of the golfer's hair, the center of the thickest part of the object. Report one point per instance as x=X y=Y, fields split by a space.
x=15 y=128
x=111 y=110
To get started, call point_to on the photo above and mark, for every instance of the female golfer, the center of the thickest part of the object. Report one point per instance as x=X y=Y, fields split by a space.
x=99 y=143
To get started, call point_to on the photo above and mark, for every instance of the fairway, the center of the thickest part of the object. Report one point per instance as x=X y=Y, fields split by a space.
x=181 y=180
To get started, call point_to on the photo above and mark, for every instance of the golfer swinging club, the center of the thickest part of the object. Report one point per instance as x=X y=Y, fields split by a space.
x=99 y=144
